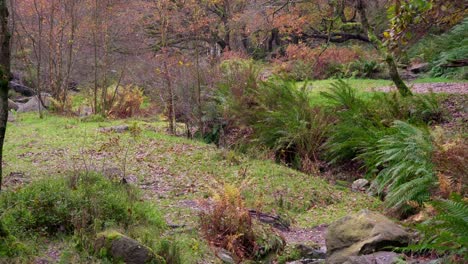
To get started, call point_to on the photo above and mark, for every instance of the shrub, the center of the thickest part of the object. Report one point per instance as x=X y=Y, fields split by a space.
x=231 y=105
x=92 y=203
x=228 y=225
x=304 y=63
x=357 y=128
x=124 y=102
x=416 y=109
x=452 y=169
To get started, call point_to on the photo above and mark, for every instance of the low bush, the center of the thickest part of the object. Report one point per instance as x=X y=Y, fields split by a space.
x=357 y=127
x=440 y=50
x=124 y=102
x=231 y=105
x=117 y=101
x=229 y=225
x=416 y=109
x=80 y=206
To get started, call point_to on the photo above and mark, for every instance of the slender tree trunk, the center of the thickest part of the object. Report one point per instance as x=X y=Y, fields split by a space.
x=4 y=77
x=201 y=125
x=39 y=58
x=389 y=57
x=95 y=44
x=171 y=101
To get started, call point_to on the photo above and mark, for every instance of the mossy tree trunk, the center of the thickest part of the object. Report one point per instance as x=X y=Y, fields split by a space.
x=4 y=76
x=389 y=57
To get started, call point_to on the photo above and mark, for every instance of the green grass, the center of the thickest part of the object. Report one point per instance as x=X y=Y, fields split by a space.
x=364 y=87
x=184 y=168
x=174 y=172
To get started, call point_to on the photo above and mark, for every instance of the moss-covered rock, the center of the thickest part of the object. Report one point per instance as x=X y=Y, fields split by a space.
x=362 y=233
x=119 y=247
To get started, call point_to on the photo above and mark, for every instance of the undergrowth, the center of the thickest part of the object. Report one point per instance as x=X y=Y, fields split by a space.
x=229 y=225
x=78 y=206
x=387 y=136
x=445 y=234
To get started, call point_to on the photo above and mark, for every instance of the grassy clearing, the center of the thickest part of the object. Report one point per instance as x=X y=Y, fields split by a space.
x=173 y=171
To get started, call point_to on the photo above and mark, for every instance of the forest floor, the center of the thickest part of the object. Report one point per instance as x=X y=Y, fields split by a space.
x=181 y=175
x=178 y=174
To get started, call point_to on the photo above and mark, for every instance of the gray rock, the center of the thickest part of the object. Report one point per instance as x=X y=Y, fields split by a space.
x=122 y=248
x=382 y=257
x=310 y=253
x=21 y=89
x=12 y=105
x=33 y=104
x=360 y=185
x=361 y=234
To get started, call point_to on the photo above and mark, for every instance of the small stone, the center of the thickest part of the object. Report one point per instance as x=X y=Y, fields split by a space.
x=225 y=256
x=360 y=185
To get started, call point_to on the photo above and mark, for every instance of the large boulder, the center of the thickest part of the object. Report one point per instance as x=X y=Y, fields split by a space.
x=121 y=248
x=21 y=89
x=33 y=104
x=362 y=233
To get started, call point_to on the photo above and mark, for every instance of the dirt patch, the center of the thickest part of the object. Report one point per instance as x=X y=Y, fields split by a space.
x=451 y=88
x=314 y=235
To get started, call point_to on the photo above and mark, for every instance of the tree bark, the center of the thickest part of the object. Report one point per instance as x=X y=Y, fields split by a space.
x=4 y=77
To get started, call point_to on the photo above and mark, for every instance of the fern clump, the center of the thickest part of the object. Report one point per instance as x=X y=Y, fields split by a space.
x=403 y=165
x=358 y=127
x=440 y=50
x=286 y=122
x=445 y=233
x=397 y=154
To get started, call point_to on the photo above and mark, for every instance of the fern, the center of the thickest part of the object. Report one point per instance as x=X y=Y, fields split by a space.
x=285 y=120
x=358 y=128
x=439 y=50
x=405 y=156
x=447 y=231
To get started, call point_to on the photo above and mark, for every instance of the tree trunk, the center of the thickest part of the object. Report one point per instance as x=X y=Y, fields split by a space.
x=389 y=58
x=396 y=78
x=4 y=77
